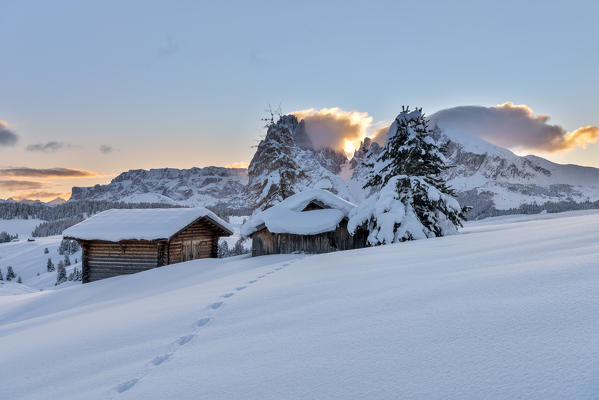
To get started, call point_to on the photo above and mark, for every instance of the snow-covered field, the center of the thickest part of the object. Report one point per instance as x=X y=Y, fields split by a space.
x=22 y=227
x=507 y=309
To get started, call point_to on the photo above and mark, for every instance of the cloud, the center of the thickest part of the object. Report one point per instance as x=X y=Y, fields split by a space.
x=515 y=127
x=380 y=134
x=238 y=164
x=7 y=136
x=46 y=172
x=335 y=128
x=107 y=149
x=21 y=185
x=47 y=147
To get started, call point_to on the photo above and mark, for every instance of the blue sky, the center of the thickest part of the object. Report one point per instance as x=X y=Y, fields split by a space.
x=184 y=84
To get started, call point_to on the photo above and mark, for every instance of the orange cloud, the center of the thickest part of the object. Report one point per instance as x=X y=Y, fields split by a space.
x=335 y=128
x=238 y=164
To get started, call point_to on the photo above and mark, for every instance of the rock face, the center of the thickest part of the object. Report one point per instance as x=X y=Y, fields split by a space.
x=191 y=187
x=281 y=167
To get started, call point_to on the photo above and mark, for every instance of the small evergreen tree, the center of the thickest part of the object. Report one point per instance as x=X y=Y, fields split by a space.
x=223 y=249
x=75 y=275
x=239 y=248
x=19 y=280
x=74 y=247
x=1 y=277
x=10 y=274
x=50 y=266
x=61 y=273
x=411 y=200
x=67 y=260
x=46 y=251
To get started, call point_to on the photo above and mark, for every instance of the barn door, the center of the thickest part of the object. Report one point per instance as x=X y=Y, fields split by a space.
x=197 y=248
x=186 y=251
x=201 y=248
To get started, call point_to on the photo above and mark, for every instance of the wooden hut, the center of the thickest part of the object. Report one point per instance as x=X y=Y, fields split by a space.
x=117 y=242
x=313 y=221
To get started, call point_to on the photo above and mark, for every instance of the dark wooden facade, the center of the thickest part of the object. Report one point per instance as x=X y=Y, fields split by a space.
x=265 y=242
x=102 y=259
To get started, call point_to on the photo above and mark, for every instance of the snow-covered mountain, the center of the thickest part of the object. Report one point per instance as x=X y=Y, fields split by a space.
x=190 y=187
x=485 y=176
x=285 y=163
x=483 y=173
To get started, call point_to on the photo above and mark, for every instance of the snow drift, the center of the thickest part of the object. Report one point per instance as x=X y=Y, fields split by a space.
x=508 y=309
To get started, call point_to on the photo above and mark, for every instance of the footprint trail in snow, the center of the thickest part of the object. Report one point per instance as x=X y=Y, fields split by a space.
x=183 y=340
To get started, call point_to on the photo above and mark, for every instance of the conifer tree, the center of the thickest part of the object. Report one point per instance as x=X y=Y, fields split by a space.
x=46 y=251
x=223 y=249
x=10 y=274
x=61 y=273
x=67 y=260
x=411 y=200
x=19 y=280
x=1 y=277
x=50 y=265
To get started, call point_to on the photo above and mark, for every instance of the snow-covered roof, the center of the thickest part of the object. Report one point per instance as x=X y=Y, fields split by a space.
x=140 y=224
x=288 y=217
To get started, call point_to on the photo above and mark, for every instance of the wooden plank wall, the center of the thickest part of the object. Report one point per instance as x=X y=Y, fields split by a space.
x=264 y=242
x=106 y=259
x=201 y=231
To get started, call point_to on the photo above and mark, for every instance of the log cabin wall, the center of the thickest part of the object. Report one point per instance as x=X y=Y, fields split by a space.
x=199 y=240
x=264 y=242
x=107 y=259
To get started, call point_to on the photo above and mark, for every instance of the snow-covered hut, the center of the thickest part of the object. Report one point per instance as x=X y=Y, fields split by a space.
x=117 y=242
x=313 y=221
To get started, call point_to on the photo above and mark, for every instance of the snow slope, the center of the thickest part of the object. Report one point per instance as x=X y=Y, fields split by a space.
x=508 y=309
x=29 y=262
x=22 y=227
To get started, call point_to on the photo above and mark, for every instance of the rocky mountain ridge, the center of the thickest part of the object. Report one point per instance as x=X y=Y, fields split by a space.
x=489 y=178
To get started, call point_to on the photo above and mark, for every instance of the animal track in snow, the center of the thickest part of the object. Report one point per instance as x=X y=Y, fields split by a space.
x=160 y=359
x=254 y=281
x=123 y=387
x=261 y=276
x=216 y=305
x=227 y=295
x=240 y=288
x=184 y=339
x=202 y=322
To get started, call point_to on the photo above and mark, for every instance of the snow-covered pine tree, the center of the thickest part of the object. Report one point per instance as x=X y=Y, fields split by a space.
x=61 y=273
x=67 y=260
x=1 y=277
x=46 y=251
x=411 y=200
x=19 y=280
x=10 y=274
x=239 y=248
x=223 y=249
x=50 y=265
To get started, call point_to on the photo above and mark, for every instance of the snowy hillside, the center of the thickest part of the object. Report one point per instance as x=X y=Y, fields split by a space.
x=507 y=309
x=21 y=227
x=29 y=260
